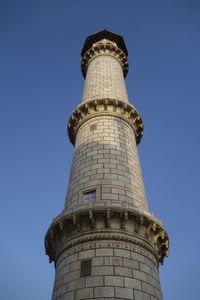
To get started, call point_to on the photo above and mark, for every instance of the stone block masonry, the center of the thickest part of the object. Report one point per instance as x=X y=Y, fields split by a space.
x=114 y=274
x=105 y=80
x=106 y=158
x=106 y=244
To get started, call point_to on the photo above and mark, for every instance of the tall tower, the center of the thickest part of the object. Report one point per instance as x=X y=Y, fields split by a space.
x=106 y=244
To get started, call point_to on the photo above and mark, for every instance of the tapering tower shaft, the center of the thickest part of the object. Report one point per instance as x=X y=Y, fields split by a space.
x=105 y=78
x=106 y=244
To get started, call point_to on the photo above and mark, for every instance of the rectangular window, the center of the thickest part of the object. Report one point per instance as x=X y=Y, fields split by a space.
x=93 y=127
x=86 y=267
x=89 y=197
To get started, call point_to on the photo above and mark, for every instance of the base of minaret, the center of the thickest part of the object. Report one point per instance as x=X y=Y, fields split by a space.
x=106 y=254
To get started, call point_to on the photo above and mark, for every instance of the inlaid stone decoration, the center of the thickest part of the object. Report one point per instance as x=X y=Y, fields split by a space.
x=106 y=244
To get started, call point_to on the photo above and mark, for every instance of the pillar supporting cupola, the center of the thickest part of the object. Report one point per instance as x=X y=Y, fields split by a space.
x=106 y=244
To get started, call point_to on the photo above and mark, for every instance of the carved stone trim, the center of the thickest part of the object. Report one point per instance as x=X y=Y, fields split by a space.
x=107 y=240
x=82 y=225
x=99 y=107
x=104 y=47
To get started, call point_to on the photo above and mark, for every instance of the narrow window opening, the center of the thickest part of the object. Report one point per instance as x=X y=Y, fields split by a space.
x=86 y=267
x=93 y=127
x=89 y=197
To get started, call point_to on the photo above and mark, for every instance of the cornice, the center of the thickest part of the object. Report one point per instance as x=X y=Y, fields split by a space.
x=105 y=107
x=111 y=239
x=104 y=47
x=81 y=226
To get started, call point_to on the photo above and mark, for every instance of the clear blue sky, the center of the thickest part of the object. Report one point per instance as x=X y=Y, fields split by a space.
x=40 y=85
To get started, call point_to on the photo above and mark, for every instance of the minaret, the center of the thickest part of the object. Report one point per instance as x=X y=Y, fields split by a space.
x=106 y=244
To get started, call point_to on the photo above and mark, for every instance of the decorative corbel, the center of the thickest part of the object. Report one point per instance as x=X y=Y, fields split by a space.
x=134 y=116
x=108 y=218
x=91 y=218
x=141 y=218
x=76 y=222
x=115 y=104
x=124 y=218
x=136 y=225
x=105 y=104
x=123 y=109
x=159 y=236
x=86 y=109
x=150 y=226
x=163 y=251
x=74 y=119
x=79 y=113
x=96 y=107
x=165 y=247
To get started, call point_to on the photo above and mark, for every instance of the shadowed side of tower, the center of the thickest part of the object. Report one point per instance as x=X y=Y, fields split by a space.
x=106 y=244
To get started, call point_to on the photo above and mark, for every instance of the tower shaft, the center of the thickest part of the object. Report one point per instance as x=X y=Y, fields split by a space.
x=106 y=244
x=104 y=79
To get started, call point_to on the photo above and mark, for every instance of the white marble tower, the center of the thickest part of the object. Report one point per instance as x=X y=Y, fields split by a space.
x=106 y=244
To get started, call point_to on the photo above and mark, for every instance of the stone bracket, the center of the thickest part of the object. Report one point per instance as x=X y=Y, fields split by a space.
x=104 y=47
x=132 y=223
x=102 y=107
